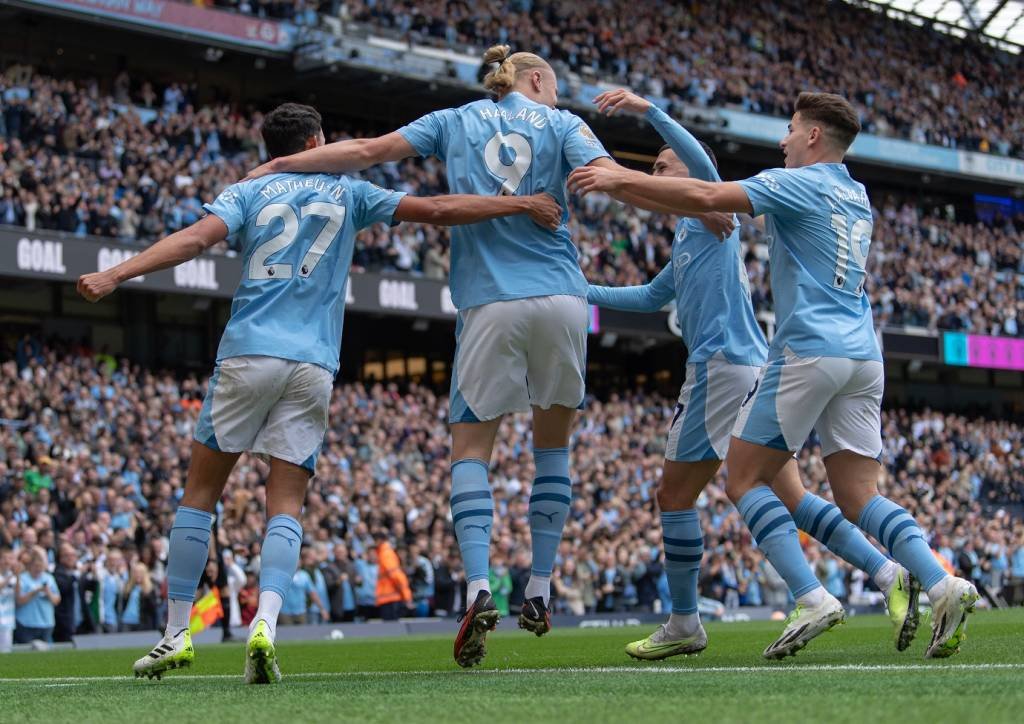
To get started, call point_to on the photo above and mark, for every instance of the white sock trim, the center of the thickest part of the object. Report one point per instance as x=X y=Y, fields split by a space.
x=269 y=609
x=473 y=588
x=813 y=598
x=887 y=576
x=538 y=586
x=178 y=614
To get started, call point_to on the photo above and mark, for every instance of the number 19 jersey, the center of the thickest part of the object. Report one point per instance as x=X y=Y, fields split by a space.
x=297 y=234
x=818 y=220
x=510 y=146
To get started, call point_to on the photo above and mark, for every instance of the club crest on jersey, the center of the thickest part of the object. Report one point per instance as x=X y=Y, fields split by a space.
x=588 y=135
x=768 y=181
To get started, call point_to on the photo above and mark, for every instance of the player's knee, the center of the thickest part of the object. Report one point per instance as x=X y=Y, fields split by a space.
x=675 y=497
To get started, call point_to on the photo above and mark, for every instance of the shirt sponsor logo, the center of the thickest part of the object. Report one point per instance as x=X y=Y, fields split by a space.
x=36 y=255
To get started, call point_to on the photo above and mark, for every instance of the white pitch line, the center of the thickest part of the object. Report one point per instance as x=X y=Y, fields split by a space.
x=639 y=669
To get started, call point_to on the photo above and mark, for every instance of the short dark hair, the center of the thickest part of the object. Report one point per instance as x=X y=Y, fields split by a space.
x=833 y=112
x=286 y=128
x=706 y=147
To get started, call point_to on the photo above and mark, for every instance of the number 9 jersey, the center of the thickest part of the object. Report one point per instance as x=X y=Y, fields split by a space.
x=510 y=146
x=819 y=224
x=297 y=234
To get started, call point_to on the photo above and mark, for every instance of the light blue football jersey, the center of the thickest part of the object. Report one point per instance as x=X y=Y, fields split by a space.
x=511 y=146
x=818 y=221
x=706 y=277
x=297 y=234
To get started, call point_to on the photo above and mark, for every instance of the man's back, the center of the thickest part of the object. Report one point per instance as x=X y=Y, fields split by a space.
x=296 y=233
x=819 y=224
x=510 y=146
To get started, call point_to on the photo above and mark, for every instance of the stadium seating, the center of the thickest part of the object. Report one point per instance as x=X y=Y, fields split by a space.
x=67 y=168
x=906 y=81
x=96 y=449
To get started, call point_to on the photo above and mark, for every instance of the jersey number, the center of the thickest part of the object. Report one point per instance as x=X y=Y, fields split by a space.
x=258 y=267
x=511 y=174
x=852 y=242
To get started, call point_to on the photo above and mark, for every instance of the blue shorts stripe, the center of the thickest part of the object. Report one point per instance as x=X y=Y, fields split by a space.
x=475 y=513
x=472 y=495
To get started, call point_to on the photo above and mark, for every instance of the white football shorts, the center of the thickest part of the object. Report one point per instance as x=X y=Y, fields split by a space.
x=841 y=399
x=268 y=406
x=515 y=354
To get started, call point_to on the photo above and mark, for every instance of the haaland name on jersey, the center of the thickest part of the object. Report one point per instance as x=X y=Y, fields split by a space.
x=535 y=119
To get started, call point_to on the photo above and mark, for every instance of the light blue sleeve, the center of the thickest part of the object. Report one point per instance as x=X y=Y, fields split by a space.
x=780 y=192
x=51 y=582
x=579 y=144
x=429 y=134
x=644 y=298
x=230 y=207
x=684 y=144
x=372 y=205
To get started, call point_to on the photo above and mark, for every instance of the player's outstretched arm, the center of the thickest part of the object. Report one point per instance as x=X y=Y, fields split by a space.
x=682 y=142
x=718 y=223
x=686 y=196
x=170 y=251
x=456 y=209
x=648 y=297
x=341 y=157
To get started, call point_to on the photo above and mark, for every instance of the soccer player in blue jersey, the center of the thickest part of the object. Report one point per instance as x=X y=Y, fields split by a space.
x=271 y=388
x=521 y=332
x=824 y=368
x=725 y=351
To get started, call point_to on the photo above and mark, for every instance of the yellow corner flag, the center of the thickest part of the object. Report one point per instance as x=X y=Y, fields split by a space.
x=205 y=612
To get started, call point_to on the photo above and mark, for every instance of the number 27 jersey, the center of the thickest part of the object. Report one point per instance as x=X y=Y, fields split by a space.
x=510 y=146
x=819 y=224
x=297 y=234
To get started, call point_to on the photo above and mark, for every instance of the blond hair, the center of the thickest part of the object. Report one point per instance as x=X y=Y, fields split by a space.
x=502 y=79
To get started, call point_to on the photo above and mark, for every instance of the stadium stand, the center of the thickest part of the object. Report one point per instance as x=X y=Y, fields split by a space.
x=93 y=449
x=92 y=452
x=136 y=162
x=906 y=81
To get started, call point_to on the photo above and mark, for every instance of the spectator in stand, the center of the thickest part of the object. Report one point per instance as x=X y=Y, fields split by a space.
x=35 y=597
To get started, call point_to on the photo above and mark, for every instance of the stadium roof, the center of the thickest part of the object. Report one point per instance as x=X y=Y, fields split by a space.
x=998 y=20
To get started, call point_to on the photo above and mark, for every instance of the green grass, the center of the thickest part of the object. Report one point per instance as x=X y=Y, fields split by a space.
x=584 y=676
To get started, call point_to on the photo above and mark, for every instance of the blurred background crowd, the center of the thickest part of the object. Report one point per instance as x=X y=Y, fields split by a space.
x=93 y=450
x=135 y=163
x=906 y=81
x=93 y=453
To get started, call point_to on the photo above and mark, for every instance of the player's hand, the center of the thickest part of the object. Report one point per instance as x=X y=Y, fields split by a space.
x=97 y=285
x=621 y=99
x=545 y=211
x=718 y=223
x=263 y=170
x=595 y=178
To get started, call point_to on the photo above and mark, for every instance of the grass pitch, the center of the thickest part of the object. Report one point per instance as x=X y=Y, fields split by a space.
x=853 y=674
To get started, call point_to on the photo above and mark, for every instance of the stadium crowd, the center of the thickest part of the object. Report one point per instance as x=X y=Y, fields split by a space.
x=93 y=453
x=135 y=164
x=906 y=81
